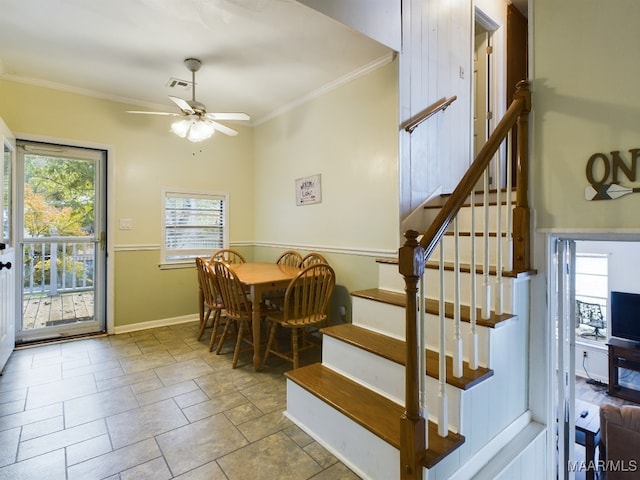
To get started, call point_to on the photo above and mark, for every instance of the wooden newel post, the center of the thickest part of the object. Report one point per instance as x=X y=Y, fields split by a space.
x=412 y=425
x=521 y=216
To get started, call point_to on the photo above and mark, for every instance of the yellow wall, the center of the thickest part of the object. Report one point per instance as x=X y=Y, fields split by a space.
x=146 y=158
x=585 y=99
x=348 y=135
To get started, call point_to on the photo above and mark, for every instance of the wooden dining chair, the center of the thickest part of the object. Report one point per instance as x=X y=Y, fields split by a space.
x=212 y=300
x=237 y=308
x=227 y=255
x=290 y=257
x=311 y=259
x=306 y=303
x=209 y=298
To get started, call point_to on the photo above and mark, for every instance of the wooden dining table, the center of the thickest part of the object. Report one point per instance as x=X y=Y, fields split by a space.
x=261 y=277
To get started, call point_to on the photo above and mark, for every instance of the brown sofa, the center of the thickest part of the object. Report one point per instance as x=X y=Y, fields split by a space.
x=620 y=441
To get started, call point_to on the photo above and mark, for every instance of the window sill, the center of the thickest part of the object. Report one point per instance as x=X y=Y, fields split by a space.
x=175 y=266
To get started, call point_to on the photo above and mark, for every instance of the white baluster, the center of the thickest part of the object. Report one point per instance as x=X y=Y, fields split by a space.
x=509 y=227
x=422 y=364
x=443 y=412
x=457 y=334
x=473 y=309
x=486 y=283
x=498 y=304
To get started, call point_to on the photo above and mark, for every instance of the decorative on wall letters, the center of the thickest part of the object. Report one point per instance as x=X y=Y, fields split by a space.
x=600 y=168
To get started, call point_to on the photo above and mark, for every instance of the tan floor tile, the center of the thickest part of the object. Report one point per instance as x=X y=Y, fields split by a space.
x=263 y=426
x=179 y=372
x=43 y=427
x=127 y=379
x=268 y=396
x=243 y=413
x=61 y=439
x=320 y=454
x=156 y=469
x=144 y=422
x=114 y=462
x=190 y=446
x=94 y=447
x=163 y=393
x=177 y=396
x=191 y=398
x=298 y=435
x=40 y=395
x=336 y=472
x=217 y=404
x=146 y=361
x=30 y=416
x=99 y=405
x=208 y=471
x=44 y=467
x=9 y=440
x=275 y=456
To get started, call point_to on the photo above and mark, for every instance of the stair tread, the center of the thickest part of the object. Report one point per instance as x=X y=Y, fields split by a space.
x=400 y=300
x=440 y=200
x=372 y=411
x=465 y=268
x=396 y=351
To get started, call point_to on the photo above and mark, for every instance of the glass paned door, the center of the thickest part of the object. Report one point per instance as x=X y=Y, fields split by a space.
x=62 y=223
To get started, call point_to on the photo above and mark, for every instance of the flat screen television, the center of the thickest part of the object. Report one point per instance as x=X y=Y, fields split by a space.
x=625 y=315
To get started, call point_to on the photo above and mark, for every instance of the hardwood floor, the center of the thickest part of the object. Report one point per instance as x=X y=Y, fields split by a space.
x=596 y=393
x=45 y=311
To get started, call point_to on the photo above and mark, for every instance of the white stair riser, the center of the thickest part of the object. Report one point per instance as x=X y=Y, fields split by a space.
x=465 y=250
x=384 y=376
x=390 y=320
x=365 y=453
x=378 y=316
x=390 y=279
x=464 y=218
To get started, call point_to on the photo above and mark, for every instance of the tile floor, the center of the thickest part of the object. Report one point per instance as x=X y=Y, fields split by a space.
x=153 y=404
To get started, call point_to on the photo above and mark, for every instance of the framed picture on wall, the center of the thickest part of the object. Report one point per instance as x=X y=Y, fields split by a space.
x=308 y=190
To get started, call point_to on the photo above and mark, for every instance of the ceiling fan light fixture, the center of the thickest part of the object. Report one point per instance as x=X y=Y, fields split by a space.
x=194 y=130
x=200 y=131
x=181 y=127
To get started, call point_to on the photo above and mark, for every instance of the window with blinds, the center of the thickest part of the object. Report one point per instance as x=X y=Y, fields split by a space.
x=195 y=224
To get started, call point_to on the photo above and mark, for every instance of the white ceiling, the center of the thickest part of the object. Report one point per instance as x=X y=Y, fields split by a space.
x=259 y=56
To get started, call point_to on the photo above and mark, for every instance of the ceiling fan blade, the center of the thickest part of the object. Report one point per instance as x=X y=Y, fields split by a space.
x=182 y=105
x=228 y=116
x=223 y=128
x=155 y=113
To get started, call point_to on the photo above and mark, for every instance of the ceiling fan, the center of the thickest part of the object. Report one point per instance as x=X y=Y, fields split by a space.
x=195 y=123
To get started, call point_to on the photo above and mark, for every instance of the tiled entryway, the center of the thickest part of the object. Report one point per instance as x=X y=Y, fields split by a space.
x=153 y=404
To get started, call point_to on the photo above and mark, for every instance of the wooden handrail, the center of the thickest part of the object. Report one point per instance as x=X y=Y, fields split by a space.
x=442 y=104
x=521 y=105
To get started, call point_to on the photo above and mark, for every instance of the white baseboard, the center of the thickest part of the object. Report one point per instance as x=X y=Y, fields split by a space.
x=134 y=327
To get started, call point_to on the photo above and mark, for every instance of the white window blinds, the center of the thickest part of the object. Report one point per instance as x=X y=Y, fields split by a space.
x=194 y=225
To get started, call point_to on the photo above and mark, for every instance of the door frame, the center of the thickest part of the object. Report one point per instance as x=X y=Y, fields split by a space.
x=7 y=254
x=110 y=219
x=552 y=308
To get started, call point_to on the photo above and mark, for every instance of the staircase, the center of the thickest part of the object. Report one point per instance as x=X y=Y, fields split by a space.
x=392 y=399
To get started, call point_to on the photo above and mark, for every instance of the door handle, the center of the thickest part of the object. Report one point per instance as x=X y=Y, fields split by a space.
x=5 y=265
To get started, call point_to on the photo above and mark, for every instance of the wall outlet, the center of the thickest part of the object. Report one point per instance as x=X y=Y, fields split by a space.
x=584 y=354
